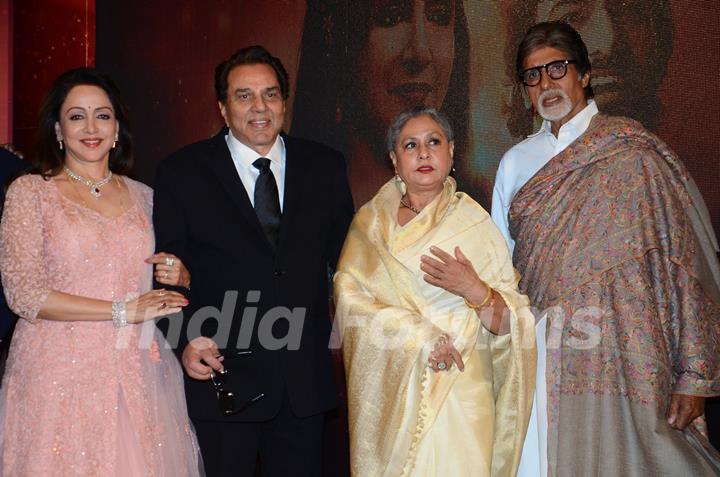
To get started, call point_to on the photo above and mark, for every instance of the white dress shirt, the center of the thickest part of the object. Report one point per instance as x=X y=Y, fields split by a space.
x=243 y=158
x=525 y=159
x=517 y=166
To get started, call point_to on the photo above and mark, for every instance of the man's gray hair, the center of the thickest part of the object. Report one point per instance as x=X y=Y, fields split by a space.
x=401 y=120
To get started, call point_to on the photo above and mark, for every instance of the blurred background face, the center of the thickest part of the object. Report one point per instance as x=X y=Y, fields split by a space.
x=619 y=38
x=407 y=59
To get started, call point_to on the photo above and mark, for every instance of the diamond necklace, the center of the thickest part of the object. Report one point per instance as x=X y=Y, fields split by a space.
x=408 y=206
x=93 y=185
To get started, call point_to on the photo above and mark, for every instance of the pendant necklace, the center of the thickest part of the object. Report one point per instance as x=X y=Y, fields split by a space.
x=93 y=185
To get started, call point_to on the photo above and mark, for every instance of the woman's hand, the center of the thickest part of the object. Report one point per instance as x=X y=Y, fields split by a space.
x=454 y=274
x=444 y=355
x=170 y=270
x=153 y=304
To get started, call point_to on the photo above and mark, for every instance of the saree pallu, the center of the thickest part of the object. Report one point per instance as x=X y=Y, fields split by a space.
x=404 y=419
x=614 y=244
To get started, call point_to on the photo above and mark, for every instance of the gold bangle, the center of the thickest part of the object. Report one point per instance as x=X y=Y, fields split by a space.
x=485 y=301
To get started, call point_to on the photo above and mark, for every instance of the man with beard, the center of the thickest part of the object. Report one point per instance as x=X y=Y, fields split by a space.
x=629 y=44
x=615 y=247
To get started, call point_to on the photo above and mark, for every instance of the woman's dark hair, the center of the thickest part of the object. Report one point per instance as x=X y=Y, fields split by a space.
x=48 y=158
x=252 y=55
x=327 y=106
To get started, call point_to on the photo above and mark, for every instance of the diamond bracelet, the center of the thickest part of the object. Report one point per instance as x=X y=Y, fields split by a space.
x=118 y=314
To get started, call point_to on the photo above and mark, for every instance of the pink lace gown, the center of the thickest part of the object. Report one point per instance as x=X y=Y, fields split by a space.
x=85 y=398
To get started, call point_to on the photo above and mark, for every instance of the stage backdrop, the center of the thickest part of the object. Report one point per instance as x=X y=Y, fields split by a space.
x=355 y=64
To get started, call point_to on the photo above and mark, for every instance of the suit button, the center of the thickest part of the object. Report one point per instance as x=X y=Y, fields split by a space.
x=279 y=273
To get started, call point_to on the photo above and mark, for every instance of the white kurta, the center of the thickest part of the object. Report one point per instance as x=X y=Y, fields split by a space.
x=517 y=166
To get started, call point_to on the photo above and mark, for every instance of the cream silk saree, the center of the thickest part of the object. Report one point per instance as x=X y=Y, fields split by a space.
x=404 y=419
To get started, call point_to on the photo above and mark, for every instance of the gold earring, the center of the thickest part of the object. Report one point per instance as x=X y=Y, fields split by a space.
x=400 y=184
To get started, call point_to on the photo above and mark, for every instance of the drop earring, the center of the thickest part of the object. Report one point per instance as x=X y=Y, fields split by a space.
x=400 y=184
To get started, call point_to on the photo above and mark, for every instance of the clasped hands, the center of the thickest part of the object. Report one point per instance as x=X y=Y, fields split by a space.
x=169 y=270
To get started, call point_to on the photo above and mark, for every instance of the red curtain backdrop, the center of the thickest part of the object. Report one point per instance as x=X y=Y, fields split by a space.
x=49 y=37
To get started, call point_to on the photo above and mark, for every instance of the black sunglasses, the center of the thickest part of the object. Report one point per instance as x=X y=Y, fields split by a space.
x=226 y=399
x=555 y=70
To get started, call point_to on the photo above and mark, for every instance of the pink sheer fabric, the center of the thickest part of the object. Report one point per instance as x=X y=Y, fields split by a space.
x=85 y=398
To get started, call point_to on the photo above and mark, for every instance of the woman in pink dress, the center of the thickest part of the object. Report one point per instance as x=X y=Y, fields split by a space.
x=89 y=390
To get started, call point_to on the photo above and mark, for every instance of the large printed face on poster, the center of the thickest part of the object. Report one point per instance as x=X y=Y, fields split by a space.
x=354 y=65
x=364 y=62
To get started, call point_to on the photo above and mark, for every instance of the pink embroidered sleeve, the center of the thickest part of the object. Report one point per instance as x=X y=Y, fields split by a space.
x=21 y=249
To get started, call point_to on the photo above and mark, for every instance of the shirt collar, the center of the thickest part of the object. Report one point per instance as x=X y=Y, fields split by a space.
x=246 y=155
x=578 y=123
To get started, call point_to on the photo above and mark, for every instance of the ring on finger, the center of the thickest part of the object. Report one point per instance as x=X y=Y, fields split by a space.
x=169 y=261
x=442 y=366
x=163 y=305
x=165 y=275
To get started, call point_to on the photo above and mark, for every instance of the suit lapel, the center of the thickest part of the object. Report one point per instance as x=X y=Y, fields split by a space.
x=295 y=182
x=223 y=168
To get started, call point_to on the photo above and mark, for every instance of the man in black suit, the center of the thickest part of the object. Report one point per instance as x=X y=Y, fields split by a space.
x=258 y=218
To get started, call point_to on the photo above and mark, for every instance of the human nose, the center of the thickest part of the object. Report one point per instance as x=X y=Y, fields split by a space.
x=259 y=103
x=423 y=152
x=90 y=124
x=545 y=79
x=417 y=54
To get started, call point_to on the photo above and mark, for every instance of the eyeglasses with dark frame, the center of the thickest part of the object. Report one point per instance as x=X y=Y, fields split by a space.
x=226 y=399
x=555 y=70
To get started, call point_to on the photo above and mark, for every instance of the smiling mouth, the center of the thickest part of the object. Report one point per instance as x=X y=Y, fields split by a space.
x=414 y=93
x=260 y=123
x=92 y=142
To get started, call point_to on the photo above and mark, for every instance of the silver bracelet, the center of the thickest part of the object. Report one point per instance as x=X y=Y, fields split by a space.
x=118 y=314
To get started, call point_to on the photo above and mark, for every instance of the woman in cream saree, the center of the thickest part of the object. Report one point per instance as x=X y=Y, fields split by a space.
x=405 y=417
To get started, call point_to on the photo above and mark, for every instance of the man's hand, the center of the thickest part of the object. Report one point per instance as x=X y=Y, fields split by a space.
x=201 y=358
x=684 y=409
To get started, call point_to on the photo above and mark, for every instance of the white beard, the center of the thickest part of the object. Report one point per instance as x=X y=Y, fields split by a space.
x=557 y=111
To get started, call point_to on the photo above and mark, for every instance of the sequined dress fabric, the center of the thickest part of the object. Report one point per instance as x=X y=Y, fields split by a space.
x=85 y=398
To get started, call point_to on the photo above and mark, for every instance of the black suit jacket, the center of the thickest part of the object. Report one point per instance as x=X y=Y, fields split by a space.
x=203 y=215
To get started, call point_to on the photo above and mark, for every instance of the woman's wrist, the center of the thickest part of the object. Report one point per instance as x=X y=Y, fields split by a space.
x=480 y=300
x=119 y=313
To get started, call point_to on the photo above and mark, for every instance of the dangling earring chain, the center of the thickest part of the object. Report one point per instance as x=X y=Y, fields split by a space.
x=60 y=144
x=93 y=185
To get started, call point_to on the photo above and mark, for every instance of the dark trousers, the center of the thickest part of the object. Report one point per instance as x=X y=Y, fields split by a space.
x=287 y=446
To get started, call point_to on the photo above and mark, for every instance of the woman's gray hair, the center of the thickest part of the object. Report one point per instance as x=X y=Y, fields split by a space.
x=401 y=120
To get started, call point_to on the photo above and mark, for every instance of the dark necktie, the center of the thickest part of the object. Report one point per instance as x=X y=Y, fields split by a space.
x=267 y=203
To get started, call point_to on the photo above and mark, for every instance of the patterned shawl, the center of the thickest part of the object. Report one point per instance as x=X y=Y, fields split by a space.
x=613 y=242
